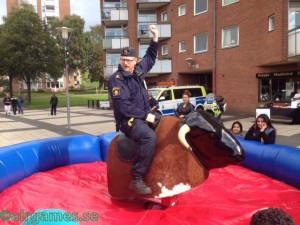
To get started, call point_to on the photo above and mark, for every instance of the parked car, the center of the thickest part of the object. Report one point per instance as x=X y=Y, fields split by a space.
x=170 y=97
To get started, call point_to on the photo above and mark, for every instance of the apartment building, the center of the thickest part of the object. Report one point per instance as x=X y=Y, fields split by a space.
x=246 y=51
x=47 y=10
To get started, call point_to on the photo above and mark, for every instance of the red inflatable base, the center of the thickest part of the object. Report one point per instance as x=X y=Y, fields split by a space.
x=230 y=196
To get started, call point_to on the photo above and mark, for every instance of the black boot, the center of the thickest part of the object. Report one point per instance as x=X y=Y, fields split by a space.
x=138 y=186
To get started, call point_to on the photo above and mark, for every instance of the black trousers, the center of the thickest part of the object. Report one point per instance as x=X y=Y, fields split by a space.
x=14 y=108
x=53 y=109
x=146 y=139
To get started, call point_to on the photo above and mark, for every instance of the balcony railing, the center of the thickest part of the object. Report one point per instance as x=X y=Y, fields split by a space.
x=161 y=66
x=164 y=30
x=294 y=42
x=114 y=14
x=50 y=13
x=115 y=43
x=152 y=3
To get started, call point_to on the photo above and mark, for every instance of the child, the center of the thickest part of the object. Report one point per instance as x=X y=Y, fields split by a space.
x=237 y=128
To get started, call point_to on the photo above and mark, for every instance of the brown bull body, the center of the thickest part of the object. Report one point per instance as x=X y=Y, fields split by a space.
x=174 y=169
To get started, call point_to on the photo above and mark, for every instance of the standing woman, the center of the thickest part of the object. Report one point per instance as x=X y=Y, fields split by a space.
x=186 y=107
x=262 y=130
x=7 y=104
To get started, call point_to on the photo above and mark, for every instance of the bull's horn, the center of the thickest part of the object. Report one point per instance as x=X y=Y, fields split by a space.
x=181 y=136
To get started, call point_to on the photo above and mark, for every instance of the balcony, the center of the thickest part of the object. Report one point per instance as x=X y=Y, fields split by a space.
x=114 y=16
x=164 y=31
x=50 y=2
x=50 y=13
x=115 y=43
x=109 y=70
x=294 y=42
x=151 y=4
x=161 y=66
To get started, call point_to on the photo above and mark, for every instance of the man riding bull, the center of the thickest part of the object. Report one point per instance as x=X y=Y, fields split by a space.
x=131 y=107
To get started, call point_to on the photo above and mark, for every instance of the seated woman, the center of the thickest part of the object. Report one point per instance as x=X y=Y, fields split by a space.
x=262 y=130
x=153 y=103
x=237 y=128
x=186 y=107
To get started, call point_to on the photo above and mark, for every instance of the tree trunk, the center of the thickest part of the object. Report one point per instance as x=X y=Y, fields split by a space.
x=28 y=91
x=100 y=87
x=10 y=84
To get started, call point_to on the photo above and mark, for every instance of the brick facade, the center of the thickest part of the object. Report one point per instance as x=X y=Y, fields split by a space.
x=230 y=72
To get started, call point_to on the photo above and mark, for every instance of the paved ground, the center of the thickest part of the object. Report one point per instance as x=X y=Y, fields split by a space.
x=38 y=124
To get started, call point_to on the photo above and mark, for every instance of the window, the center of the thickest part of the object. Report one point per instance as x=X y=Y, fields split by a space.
x=272 y=23
x=200 y=6
x=164 y=50
x=195 y=92
x=294 y=15
x=181 y=10
x=200 y=43
x=112 y=59
x=50 y=7
x=114 y=33
x=146 y=18
x=143 y=49
x=182 y=46
x=164 y=16
x=228 y=2
x=230 y=37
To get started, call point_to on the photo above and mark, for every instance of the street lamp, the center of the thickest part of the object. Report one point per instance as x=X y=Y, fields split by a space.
x=64 y=32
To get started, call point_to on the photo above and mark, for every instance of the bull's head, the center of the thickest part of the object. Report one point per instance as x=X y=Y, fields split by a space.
x=212 y=144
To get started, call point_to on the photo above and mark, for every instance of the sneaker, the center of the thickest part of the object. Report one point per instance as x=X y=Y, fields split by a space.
x=138 y=186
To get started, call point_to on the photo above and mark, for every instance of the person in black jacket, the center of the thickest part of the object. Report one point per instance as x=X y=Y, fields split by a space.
x=131 y=107
x=14 y=103
x=262 y=130
x=153 y=103
x=186 y=107
x=53 y=103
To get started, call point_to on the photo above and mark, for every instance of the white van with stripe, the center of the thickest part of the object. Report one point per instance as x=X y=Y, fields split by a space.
x=169 y=98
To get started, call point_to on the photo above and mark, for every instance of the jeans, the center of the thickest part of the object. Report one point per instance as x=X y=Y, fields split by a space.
x=146 y=139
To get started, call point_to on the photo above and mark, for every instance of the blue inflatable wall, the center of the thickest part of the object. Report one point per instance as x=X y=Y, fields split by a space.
x=22 y=160
x=277 y=161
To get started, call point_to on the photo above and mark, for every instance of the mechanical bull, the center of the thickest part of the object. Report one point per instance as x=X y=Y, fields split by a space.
x=182 y=160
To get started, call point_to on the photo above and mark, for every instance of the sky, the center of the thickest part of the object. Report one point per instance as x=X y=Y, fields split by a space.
x=2 y=9
x=89 y=10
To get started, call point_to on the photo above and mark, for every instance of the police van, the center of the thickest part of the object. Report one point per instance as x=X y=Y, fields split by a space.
x=170 y=97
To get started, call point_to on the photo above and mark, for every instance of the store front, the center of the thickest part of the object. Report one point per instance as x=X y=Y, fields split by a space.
x=278 y=86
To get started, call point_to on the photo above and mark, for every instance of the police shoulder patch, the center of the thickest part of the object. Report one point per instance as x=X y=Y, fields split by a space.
x=140 y=60
x=116 y=91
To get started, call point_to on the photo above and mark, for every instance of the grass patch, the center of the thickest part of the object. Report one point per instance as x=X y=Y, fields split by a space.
x=41 y=100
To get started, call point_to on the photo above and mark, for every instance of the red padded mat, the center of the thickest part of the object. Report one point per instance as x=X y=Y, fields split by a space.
x=229 y=196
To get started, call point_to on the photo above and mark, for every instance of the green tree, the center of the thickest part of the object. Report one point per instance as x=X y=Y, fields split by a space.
x=77 y=47
x=27 y=50
x=84 y=49
x=95 y=62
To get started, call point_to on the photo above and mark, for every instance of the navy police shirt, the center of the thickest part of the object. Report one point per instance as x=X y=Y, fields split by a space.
x=128 y=91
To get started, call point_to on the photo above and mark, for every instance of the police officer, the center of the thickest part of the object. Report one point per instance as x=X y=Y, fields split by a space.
x=131 y=107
